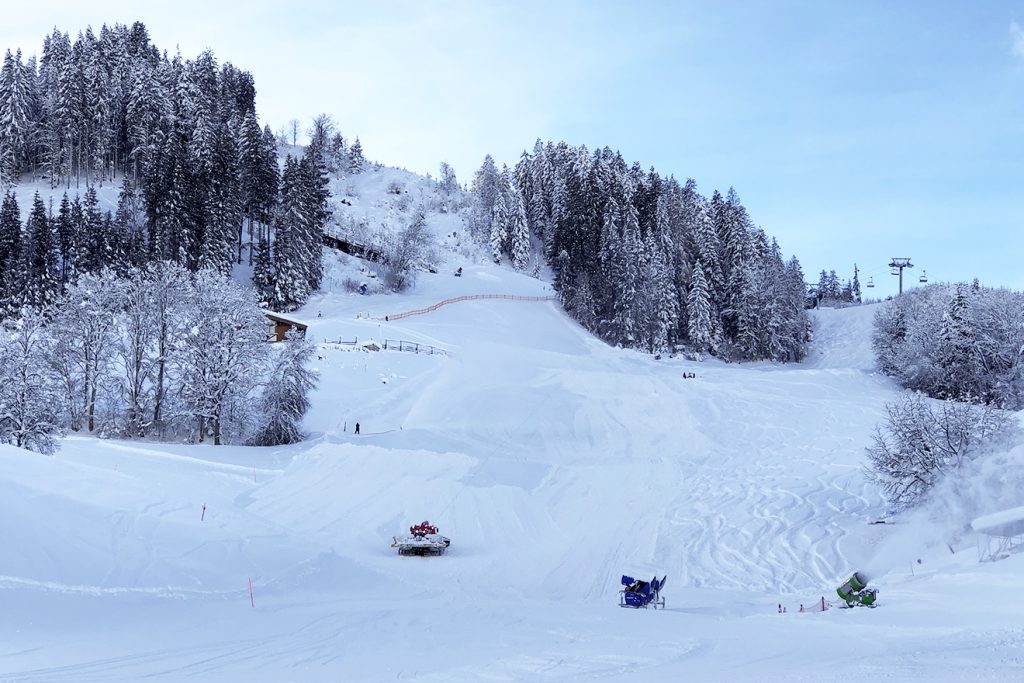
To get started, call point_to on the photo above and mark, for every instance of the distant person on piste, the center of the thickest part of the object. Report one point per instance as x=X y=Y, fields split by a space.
x=357 y=427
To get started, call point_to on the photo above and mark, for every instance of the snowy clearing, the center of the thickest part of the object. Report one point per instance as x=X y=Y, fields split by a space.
x=555 y=464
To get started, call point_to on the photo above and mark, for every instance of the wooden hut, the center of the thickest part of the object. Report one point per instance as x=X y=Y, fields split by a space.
x=279 y=326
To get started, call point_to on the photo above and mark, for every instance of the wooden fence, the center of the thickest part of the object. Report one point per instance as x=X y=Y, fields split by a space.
x=395 y=345
x=468 y=297
x=413 y=347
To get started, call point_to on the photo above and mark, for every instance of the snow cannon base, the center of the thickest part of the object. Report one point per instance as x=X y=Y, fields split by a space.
x=637 y=593
x=855 y=592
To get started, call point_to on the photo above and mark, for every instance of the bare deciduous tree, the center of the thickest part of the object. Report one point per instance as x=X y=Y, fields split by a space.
x=924 y=440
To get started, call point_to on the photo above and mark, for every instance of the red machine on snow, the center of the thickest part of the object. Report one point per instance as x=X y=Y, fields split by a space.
x=423 y=539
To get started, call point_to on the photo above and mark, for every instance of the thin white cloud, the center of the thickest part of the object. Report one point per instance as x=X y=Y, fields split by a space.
x=1017 y=36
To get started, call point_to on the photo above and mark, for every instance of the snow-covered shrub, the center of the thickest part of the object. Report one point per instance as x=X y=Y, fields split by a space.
x=923 y=441
x=395 y=187
x=222 y=356
x=403 y=253
x=159 y=352
x=29 y=394
x=955 y=341
x=85 y=335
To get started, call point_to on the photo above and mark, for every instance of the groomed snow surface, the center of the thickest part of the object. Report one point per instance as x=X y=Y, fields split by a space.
x=555 y=464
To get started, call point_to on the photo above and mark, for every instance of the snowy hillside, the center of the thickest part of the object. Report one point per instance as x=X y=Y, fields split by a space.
x=555 y=464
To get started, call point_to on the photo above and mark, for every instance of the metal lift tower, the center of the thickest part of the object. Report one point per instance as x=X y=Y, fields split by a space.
x=897 y=265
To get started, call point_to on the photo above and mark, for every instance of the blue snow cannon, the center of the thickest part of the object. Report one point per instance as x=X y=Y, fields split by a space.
x=644 y=594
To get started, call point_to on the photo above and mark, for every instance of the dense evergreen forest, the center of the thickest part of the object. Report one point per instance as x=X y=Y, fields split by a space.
x=638 y=258
x=641 y=260
x=201 y=181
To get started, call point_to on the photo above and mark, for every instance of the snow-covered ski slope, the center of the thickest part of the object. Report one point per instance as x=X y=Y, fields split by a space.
x=555 y=464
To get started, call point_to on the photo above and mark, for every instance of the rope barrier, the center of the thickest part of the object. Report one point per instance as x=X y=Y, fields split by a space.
x=468 y=297
x=821 y=605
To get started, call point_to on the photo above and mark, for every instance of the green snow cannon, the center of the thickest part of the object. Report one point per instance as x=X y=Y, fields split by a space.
x=856 y=592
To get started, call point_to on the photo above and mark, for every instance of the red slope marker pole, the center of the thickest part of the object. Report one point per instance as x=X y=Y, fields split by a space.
x=252 y=602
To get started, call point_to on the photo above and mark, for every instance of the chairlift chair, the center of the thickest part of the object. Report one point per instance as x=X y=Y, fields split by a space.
x=871 y=282
x=924 y=276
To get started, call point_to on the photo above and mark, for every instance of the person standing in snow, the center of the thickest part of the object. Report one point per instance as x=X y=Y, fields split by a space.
x=357 y=427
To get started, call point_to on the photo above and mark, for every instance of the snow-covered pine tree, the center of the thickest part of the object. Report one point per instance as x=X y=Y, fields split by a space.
x=698 y=306
x=706 y=242
x=251 y=159
x=314 y=196
x=485 y=188
x=263 y=271
x=581 y=304
x=835 y=290
x=12 y=265
x=337 y=154
x=128 y=224
x=518 y=232
x=356 y=158
x=42 y=283
x=798 y=326
x=737 y=251
x=955 y=357
x=55 y=123
x=756 y=316
x=661 y=301
x=285 y=398
x=66 y=239
x=447 y=183
x=623 y=325
x=298 y=242
x=92 y=238
x=223 y=209
x=499 y=227
x=289 y=282
x=15 y=122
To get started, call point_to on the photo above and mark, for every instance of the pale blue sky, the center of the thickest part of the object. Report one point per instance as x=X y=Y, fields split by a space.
x=852 y=131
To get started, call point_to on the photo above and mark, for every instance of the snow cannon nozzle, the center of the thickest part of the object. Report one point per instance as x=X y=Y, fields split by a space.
x=856 y=592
